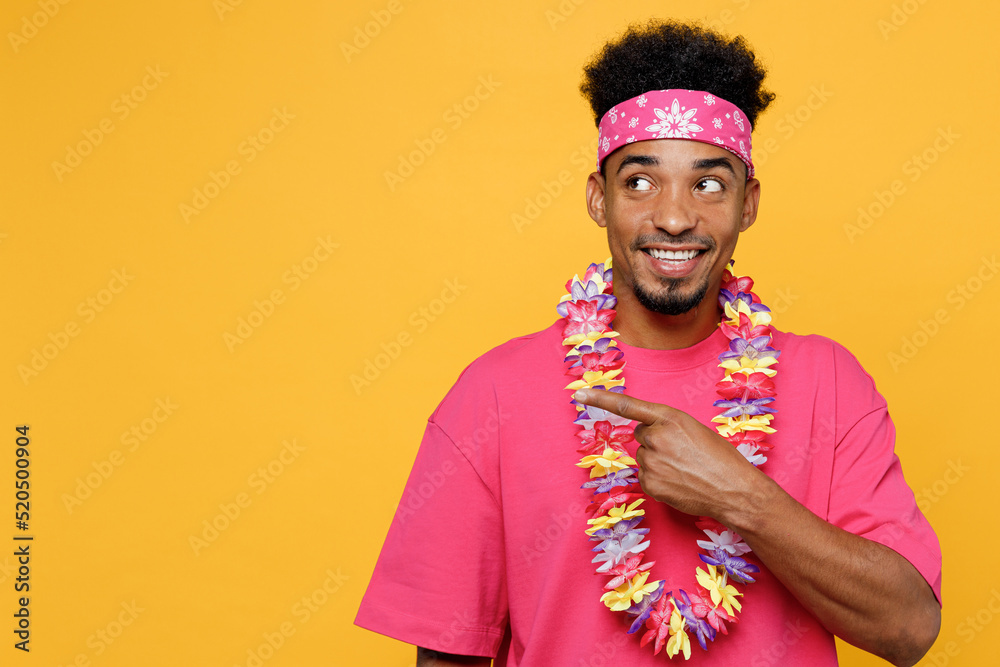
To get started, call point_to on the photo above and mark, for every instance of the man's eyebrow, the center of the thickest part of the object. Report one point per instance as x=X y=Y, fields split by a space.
x=712 y=163
x=644 y=160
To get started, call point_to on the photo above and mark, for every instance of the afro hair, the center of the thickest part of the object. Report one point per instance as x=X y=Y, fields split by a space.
x=669 y=54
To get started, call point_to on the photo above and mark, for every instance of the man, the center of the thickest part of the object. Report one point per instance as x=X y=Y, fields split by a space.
x=824 y=538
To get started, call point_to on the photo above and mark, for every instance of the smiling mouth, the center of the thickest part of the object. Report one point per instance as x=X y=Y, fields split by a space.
x=672 y=255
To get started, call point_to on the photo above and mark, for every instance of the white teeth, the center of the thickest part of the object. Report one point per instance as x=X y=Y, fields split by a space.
x=676 y=255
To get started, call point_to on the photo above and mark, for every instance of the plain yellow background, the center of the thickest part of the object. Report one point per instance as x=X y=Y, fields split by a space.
x=302 y=263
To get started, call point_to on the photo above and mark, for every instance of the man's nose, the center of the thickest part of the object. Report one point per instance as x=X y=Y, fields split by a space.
x=674 y=212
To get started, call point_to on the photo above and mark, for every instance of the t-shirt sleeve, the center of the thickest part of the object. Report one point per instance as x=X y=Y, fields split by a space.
x=868 y=494
x=439 y=581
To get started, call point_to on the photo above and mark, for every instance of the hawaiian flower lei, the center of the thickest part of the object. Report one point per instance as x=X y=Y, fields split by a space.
x=746 y=390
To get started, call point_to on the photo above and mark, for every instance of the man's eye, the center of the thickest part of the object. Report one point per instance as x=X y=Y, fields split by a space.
x=639 y=183
x=709 y=185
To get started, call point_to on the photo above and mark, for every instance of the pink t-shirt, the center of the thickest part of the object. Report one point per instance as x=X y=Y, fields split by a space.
x=487 y=555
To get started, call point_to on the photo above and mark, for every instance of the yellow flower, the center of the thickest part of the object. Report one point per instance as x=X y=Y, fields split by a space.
x=594 y=378
x=635 y=590
x=715 y=583
x=576 y=339
x=731 y=425
x=614 y=515
x=746 y=365
x=679 y=641
x=606 y=462
x=757 y=317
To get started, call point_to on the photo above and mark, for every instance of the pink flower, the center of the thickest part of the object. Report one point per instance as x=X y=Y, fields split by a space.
x=584 y=318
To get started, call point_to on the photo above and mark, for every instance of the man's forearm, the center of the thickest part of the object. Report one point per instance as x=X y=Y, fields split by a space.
x=428 y=658
x=862 y=591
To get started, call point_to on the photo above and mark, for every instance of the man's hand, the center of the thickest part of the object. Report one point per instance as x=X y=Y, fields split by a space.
x=682 y=462
x=860 y=590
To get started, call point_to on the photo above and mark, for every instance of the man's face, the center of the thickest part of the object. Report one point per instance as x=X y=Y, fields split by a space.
x=673 y=210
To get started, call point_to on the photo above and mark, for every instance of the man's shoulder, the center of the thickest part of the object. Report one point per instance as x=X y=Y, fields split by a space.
x=503 y=373
x=825 y=361
x=820 y=348
x=535 y=347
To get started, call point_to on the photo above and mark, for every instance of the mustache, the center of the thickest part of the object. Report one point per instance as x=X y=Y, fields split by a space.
x=684 y=238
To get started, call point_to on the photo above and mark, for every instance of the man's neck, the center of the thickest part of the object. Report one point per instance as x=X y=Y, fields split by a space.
x=644 y=328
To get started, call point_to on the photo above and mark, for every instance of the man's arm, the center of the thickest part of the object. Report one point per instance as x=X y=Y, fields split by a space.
x=862 y=591
x=428 y=658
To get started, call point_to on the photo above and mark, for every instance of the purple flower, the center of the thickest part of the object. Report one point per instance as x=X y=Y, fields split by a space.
x=588 y=292
x=736 y=408
x=618 y=531
x=643 y=608
x=735 y=566
x=600 y=346
x=725 y=296
x=753 y=349
x=701 y=628
x=611 y=480
x=617 y=547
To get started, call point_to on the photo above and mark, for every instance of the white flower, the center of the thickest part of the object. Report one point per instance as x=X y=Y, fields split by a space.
x=595 y=414
x=630 y=139
x=613 y=112
x=709 y=100
x=717 y=122
x=606 y=144
x=717 y=140
x=749 y=451
x=674 y=124
x=743 y=149
x=633 y=121
x=617 y=552
x=641 y=101
x=728 y=540
x=739 y=119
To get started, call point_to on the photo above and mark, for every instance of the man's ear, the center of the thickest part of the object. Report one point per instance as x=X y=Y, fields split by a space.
x=595 y=198
x=751 y=198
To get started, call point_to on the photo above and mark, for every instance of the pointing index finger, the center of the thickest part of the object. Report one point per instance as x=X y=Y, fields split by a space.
x=623 y=405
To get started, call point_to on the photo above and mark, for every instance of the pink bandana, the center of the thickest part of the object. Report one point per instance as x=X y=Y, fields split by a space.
x=676 y=114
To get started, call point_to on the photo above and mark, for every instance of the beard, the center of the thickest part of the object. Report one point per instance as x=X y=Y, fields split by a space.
x=670 y=301
x=670 y=298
